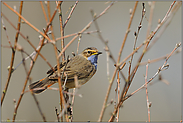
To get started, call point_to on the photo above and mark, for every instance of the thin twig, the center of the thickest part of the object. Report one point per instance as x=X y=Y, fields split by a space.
x=30 y=23
x=5 y=29
x=36 y=50
x=13 y=55
x=155 y=39
x=105 y=43
x=62 y=103
x=79 y=40
x=114 y=74
x=85 y=28
x=62 y=45
x=135 y=69
x=150 y=19
x=44 y=11
x=160 y=58
x=163 y=67
x=148 y=108
x=61 y=30
x=136 y=37
x=74 y=34
x=166 y=21
x=72 y=10
x=42 y=42
x=118 y=92
x=57 y=114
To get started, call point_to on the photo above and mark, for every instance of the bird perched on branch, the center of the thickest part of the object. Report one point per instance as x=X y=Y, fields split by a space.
x=83 y=66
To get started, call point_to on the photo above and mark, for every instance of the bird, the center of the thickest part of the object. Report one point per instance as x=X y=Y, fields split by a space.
x=83 y=65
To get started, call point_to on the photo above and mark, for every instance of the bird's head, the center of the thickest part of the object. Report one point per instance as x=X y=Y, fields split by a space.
x=90 y=51
x=91 y=54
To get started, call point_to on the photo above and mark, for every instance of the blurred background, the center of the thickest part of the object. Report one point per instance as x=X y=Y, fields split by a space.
x=166 y=99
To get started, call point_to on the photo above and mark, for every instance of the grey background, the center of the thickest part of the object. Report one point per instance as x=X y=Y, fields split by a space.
x=166 y=99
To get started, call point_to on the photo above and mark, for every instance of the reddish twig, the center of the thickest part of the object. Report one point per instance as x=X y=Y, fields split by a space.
x=42 y=42
x=61 y=31
x=136 y=36
x=13 y=55
x=136 y=67
x=85 y=28
x=44 y=11
x=30 y=23
x=148 y=104
x=29 y=43
x=114 y=74
x=72 y=10
x=74 y=34
x=163 y=67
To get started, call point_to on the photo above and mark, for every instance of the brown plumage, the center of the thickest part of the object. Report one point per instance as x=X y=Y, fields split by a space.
x=79 y=65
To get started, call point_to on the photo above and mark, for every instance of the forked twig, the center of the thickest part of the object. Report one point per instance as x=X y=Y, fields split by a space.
x=114 y=74
x=145 y=49
x=13 y=55
x=85 y=28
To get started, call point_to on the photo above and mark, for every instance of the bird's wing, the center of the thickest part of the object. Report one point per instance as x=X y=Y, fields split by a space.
x=77 y=65
x=62 y=64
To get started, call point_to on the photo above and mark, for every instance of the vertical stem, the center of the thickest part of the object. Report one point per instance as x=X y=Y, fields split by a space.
x=61 y=31
x=147 y=93
x=13 y=55
x=118 y=80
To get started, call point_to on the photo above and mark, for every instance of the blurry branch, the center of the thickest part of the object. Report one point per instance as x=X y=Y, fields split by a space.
x=57 y=114
x=13 y=54
x=166 y=21
x=117 y=67
x=74 y=34
x=31 y=24
x=37 y=103
x=167 y=17
x=152 y=4
x=148 y=104
x=72 y=10
x=118 y=93
x=107 y=49
x=160 y=58
x=44 y=11
x=29 y=43
x=79 y=40
x=5 y=29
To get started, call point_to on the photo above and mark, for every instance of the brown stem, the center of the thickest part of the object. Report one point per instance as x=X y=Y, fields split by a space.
x=44 y=11
x=148 y=108
x=42 y=43
x=72 y=10
x=117 y=67
x=13 y=55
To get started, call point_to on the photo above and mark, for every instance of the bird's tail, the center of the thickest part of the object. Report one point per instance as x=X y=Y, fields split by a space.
x=40 y=86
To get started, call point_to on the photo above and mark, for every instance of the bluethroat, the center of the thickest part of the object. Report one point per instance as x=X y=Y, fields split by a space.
x=83 y=66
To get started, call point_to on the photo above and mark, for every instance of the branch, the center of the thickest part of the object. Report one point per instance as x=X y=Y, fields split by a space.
x=13 y=55
x=114 y=74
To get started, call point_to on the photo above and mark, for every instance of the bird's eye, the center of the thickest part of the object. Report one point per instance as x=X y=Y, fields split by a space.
x=89 y=52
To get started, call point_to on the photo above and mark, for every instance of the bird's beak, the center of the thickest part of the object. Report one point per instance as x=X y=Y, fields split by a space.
x=99 y=53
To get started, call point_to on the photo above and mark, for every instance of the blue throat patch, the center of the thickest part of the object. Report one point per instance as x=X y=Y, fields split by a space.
x=93 y=59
